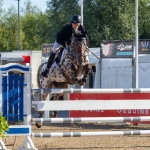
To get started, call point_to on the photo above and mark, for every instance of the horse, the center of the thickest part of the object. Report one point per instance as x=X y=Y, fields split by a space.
x=72 y=69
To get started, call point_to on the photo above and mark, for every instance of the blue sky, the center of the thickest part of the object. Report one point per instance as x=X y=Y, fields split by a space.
x=40 y=3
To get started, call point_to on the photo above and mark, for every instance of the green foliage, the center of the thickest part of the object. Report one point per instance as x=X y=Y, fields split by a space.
x=108 y=20
x=3 y=126
x=34 y=28
x=144 y=19
x=1 y=4
x=8 y=30
x=59 y=13
x=103 y=19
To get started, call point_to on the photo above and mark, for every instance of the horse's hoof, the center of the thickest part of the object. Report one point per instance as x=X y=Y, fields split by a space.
x=83 y=79
x=81 y=83
x=38 y=125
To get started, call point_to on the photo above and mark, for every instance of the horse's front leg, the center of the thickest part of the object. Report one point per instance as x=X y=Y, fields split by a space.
x=55 y=98
x=85 y=72
x=75 y=69
x=82 y=81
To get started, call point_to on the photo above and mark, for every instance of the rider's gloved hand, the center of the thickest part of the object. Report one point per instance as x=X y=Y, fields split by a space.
x=45 y=73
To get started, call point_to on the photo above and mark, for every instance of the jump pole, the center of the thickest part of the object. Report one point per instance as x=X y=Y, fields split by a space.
x=91 y=105
x=90 y=119
x=86 y=134
x=93 y=91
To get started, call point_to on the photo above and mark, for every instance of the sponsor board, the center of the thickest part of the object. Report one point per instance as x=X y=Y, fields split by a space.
x=111 y=113
x=144 y=47
x=46 y=48
x=117 y=49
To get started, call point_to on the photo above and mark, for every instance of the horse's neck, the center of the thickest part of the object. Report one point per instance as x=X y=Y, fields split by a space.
x=69 y=49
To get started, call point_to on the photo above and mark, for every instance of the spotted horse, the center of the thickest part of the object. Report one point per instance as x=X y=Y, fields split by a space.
x=73 y=69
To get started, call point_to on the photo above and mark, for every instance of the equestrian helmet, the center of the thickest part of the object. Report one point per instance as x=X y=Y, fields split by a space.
x=76 y=19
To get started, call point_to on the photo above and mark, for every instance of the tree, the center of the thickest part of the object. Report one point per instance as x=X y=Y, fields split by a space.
x=144 y=19
x=1 y=4
x=108 y=20
x=8 y=29
x=104 y=20
x=59 y=13
x=34 y=27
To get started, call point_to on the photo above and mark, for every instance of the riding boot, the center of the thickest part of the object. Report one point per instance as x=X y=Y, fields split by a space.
x=50 y=62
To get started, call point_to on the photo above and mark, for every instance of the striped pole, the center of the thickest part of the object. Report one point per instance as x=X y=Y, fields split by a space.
x=92 y=105
x=71 y=90
x=90 y=119
x=81 y=134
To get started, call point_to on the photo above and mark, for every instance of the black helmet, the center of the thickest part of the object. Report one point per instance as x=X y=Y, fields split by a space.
x=76 y=19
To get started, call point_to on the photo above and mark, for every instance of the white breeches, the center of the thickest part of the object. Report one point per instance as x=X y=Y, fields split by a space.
x=56 y=45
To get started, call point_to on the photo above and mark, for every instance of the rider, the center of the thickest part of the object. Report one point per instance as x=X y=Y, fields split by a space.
x=64 y=38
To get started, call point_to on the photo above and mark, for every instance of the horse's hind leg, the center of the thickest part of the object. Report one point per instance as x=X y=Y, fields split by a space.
x=56 y=96
x=54 y=113
x=41 y=114
x=43 y=97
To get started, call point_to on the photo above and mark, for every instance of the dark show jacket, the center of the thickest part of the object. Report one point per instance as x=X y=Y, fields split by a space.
x=66 y=33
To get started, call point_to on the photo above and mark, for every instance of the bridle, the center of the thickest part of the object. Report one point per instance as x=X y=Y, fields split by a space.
x=74 y=52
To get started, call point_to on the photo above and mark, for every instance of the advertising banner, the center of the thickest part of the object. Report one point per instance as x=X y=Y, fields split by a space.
x=46 y=48
x=110 y=113
x=144 y=46
x=117 y=49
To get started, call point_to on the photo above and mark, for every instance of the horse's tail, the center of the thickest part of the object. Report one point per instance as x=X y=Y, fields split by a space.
x=38 y=75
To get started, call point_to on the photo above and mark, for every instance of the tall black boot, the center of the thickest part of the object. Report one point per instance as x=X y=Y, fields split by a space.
x=50 y=61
